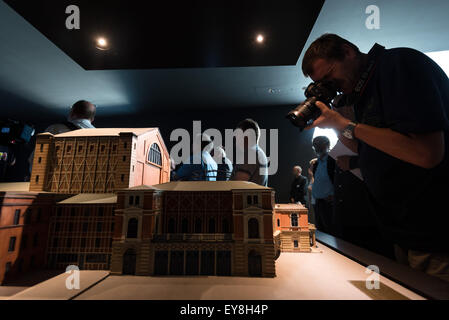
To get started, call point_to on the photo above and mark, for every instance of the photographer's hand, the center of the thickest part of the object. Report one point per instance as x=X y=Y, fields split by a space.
x=329 y=119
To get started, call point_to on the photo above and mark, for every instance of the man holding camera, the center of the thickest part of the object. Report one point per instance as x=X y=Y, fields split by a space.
x=402 y=140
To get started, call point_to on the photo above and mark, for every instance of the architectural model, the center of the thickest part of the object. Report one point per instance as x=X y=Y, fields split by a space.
x=100 y=199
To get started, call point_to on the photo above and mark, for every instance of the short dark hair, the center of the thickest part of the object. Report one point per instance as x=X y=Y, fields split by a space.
x=250 y=124
x=321 y=140
x=83 y=110
x=329 y=47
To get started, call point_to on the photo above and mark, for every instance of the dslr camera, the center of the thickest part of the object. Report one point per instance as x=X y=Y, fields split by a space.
x=307 y=112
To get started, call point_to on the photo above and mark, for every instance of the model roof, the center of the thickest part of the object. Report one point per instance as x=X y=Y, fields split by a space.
x=14 y=187
x=91 y=198
x=209 y=186
x=105 y=132
x=289 y=207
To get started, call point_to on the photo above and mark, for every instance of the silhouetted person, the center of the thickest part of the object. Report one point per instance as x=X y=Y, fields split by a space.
x=298 y=188
x=81 y=116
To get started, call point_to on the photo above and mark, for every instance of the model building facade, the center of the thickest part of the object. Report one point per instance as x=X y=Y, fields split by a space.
x=293 y=233
x=194 y=228
x=99 y=160
x=65 y=214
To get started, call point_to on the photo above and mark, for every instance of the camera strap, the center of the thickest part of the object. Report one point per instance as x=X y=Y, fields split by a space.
x=352 y=98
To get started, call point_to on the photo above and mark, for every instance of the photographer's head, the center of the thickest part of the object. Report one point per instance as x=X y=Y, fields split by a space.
x=83 y=110
x=297 y=170
x=332 y=58
x=321 y=146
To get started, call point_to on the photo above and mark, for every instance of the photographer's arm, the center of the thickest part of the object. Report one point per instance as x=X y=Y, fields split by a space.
x=423 y=150
x=352 y=145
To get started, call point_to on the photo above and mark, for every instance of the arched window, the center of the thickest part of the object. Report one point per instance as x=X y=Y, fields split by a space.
x=185 y=226
x=171 y=225
x=154 y=156
x=294 y=218
x=132 y=228
x=225 y=226
x=198 y=225
x=253 y=228
x=211 y=225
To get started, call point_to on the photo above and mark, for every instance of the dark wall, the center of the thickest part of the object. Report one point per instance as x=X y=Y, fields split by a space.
x=294 y=146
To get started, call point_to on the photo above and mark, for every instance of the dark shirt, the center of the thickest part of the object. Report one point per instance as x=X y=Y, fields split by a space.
x=224 y=169
x=298 y=189
x=408 y=93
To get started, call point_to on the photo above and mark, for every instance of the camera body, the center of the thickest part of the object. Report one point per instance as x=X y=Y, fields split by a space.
x=13 y=132
x=307 y=111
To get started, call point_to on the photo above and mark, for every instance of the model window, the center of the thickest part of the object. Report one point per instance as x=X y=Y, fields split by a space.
x=279 y=223
x=99 y=227
x=8 y=267
x=102 y=148
x=249 y=200
x=59 y=212
x=41 y=147
x=72 y=212
x=85 y=226
x=112 y=226
x=70 y=226
x=125 y=145
x=12 y=244
x=39 y=160
x=171 y=225
x=69 y=148
x=211 y=225
x=124 y=158
x=114 y=148
x=155 y=155
x=295 y=243
x=255 y=199
x=24 y=241
x=131 y=200
x=132 y=228
x=57 y=227
x=91 y=148
x=122 y=178
x=185 y=226
x=294 y=218
x=27 y=219
x=17 y=216
x=225 y=226
x=97 y=243
x=35 y=240
x=100 y=211
x=39 y=215
x=69 y=242
x=253 y=228
x=198 y=225
x=137 y=202
x=83 y=243
x=37 y=178
x=80 y=148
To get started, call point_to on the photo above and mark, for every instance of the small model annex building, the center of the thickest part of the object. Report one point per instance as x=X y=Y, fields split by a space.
x=101 y=199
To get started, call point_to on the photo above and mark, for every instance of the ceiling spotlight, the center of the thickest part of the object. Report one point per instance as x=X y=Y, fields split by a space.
x=260 y=38
x=102 y=44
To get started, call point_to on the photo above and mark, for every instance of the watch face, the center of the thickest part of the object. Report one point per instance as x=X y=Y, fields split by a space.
x=347 y=134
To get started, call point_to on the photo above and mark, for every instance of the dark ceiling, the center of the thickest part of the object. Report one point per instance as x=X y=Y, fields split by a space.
x=176 y=34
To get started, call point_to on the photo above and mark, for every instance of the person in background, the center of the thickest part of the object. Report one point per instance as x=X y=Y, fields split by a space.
x=310 y=198
x=323 y=185
x=298 y=187
x=254 y=172
x=223 y=163
x=201 y=166
x=81 y=116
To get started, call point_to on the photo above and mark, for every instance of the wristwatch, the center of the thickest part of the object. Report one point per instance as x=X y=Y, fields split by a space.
x=348 y=132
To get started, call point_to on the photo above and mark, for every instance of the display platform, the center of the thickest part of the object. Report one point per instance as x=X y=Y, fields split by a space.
x=327 y=275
